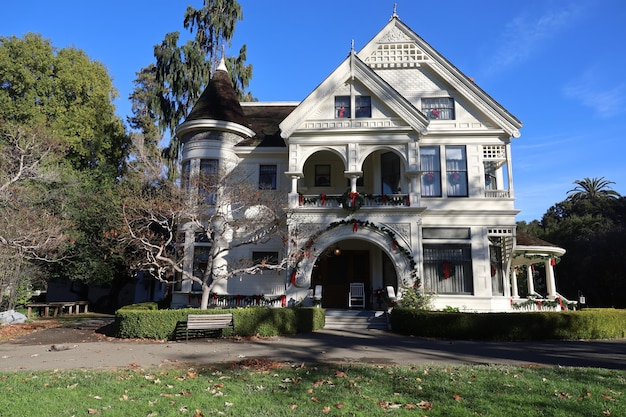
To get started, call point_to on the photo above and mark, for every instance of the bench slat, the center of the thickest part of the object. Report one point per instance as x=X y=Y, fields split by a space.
x=209 y=321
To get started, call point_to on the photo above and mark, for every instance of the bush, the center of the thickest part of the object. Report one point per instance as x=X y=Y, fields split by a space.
x=563 y=325
x=141 y=306
x=171 y=324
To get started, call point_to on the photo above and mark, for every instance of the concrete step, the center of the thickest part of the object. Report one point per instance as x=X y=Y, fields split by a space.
x=356 y=320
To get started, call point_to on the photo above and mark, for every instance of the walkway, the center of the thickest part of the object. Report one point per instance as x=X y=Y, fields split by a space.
x=367 y=346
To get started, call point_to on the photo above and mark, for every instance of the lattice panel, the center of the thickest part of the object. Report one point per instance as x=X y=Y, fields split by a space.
x=494 y=153
x=405 y=55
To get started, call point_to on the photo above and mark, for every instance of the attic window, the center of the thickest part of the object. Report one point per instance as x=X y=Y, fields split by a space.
x=342 y=107
x=363 y=106
x=440 y=108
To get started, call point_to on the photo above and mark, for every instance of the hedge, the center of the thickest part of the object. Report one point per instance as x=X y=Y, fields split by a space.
x=562 y=325
x=170 y=324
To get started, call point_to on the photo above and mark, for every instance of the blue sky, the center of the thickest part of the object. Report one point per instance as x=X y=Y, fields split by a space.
x=558 y=65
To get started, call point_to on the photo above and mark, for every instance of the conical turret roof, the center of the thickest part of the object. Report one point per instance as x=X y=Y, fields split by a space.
x=218 y=101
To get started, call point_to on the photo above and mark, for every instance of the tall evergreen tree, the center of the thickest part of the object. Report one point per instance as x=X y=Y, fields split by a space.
x=182 y=71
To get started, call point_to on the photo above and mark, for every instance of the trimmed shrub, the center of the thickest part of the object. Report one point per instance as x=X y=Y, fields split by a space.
x=141 y=306
x=563 y=325
x=171 y=324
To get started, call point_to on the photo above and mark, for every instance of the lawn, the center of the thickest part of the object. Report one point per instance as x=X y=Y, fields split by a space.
x=266 y=388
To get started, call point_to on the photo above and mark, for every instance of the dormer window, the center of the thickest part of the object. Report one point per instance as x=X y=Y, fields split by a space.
x=342 y=107
x=440 y=108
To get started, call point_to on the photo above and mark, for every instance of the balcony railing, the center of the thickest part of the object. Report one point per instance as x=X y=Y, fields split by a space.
x=497 y=194
x=362 y=200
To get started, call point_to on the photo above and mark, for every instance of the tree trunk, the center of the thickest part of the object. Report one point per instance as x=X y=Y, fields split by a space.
x=204 y=302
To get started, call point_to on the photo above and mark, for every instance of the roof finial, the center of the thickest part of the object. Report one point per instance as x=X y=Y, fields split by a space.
x=395 y=6
x=352 y=46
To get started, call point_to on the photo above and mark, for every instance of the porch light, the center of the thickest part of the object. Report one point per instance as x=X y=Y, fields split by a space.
x=336 y=251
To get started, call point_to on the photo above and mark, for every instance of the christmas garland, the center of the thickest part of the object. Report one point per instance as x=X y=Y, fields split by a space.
x=356 y=224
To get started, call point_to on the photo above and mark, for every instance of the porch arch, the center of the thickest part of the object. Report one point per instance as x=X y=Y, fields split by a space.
x=375 y=236
x=307 y=153
x=367 y=151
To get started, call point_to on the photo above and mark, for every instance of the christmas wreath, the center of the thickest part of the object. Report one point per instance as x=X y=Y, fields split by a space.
x=455 y=178
x=446 y=270
x=351 y=201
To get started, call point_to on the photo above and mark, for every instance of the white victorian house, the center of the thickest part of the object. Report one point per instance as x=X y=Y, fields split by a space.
x=396 y=171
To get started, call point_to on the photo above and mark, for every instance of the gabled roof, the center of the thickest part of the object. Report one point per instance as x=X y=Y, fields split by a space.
x=354 y=68
x=396 y=31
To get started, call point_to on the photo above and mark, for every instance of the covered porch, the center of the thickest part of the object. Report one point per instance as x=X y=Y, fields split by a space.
x=531 y=251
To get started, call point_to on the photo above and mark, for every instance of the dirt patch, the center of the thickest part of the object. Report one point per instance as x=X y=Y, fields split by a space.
x=58 y=331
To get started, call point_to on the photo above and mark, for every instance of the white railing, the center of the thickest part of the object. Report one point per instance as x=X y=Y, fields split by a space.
x=363 y=200
x=497 y=193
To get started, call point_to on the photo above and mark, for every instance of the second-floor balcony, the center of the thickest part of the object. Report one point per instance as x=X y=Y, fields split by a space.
x=346 y=201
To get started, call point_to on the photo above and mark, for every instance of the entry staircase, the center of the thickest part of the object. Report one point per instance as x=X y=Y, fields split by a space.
x=356 y=320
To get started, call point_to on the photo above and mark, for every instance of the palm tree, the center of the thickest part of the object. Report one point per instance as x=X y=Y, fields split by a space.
x=592 y=189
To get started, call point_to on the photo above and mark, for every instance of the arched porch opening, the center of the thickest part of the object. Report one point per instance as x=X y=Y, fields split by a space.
x=356 y=253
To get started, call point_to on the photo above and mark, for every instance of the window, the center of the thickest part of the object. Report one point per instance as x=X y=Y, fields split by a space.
x=448 y=269
x=267 y=177
x=208 y=180
x=261 y=258
x=390 y=173
x=438 y=108
x=363 y=106
x=184 y=178
x=456 y=168
x=496 y=262
x=322 y=175
x=491 y=180
x=200 y=265
x=431 y=171
x=342 y=107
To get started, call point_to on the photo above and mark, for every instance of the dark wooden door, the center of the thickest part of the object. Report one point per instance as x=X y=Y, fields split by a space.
x=335 y=273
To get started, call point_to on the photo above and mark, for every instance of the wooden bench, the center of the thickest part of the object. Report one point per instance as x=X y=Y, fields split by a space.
x=73 y=307
x=208 y=322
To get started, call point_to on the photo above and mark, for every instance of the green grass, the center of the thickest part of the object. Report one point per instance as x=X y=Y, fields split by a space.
x=260 y=388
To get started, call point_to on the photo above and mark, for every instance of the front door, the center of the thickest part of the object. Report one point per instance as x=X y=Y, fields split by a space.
x=335 y=273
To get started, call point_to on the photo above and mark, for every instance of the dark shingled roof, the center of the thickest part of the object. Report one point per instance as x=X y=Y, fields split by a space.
x=218 y=102
x=524 y=239
x=264 y=121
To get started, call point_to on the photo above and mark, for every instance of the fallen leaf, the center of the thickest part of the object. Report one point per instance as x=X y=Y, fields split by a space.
x=92 y=411
x=341 y=374
x=326 y=410
x=340 y=406
x=293 y=406
x=457 y=397
x=425 y=405
x=198 y=413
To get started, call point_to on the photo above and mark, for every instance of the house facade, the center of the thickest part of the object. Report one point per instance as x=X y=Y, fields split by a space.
x=396 y=171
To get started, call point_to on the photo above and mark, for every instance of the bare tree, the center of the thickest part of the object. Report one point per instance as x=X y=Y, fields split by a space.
x=224 y=209
x=31 y=219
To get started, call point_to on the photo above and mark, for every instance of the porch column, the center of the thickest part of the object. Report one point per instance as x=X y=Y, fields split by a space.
x=531 y=283
x=514 y=290
x=415 y=187
x=353 y=175
x=293 y=194
x=550 y=282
